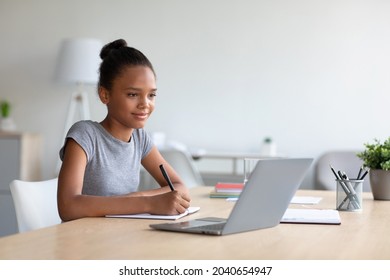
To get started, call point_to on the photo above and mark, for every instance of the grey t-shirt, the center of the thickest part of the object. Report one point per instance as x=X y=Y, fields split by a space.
x=113 y=166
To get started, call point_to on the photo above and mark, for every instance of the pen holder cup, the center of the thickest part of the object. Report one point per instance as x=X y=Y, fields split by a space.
x=349 y=195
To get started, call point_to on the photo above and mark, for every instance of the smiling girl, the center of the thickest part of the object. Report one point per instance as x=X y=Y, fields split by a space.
x=101 y=161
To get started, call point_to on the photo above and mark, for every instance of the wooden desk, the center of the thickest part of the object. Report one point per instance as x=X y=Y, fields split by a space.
x=363 y=235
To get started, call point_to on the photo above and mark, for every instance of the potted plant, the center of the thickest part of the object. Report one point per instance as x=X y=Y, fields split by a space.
x=376 y=157
x=6 y=122
x=5 y=109
x=268 y=148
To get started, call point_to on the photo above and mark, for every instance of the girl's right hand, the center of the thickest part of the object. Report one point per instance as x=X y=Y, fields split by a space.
x=169 y=203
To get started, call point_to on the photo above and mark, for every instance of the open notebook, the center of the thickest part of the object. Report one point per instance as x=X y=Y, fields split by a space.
x=190 y=210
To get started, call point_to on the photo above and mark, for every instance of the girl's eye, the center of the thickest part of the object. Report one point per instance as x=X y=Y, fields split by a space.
x=152 y=95
x=131 y=94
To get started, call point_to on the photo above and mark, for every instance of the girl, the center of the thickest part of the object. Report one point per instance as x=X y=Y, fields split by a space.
x=101 y=161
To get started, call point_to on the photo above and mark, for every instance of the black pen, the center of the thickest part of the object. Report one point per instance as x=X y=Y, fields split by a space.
x=334 y=172
x=364 y=175
x=360 y=172
x=340 y=179
x=165 y=174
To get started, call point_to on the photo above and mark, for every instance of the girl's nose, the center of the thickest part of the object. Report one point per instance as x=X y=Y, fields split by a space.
x=144 y=102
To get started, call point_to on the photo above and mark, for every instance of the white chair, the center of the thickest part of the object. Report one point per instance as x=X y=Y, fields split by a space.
x=183 y=164
x=35 y=204
x=181 y=160
x=340 y=160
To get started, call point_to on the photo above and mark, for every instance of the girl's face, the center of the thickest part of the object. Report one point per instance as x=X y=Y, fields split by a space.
x=131 y=99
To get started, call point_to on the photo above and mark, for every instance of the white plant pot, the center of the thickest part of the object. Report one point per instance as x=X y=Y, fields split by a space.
x=7 y=124
x=380 y=184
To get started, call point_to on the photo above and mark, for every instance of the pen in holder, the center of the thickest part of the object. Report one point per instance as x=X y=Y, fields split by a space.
x=349 y=195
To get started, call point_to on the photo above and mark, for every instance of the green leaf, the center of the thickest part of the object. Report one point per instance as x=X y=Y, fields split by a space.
x=376 y=155
x=5 y=108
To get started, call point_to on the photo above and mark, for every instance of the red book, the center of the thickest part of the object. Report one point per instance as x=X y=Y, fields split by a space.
x=229 y=187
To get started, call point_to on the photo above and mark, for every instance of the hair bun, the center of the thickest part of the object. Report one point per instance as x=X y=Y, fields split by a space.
x=108 y=48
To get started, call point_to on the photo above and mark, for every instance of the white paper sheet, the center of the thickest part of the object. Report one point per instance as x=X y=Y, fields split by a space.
x=190 y=210
x=311 y=216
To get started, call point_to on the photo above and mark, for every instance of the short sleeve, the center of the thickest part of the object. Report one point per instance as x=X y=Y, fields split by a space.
x=84 y=134
x=146 y=142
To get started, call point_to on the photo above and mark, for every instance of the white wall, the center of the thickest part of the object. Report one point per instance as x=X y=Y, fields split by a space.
x=314 y=75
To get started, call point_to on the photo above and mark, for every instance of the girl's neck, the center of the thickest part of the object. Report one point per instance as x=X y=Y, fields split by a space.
x=117 y=130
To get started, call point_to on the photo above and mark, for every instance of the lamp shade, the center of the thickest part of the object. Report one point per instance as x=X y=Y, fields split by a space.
x=78 y=61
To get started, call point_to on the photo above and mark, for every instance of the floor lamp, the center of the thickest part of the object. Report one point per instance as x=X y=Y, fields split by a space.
x=78 y=64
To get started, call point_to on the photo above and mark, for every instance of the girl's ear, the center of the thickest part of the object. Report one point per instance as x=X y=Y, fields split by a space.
x=104 y=95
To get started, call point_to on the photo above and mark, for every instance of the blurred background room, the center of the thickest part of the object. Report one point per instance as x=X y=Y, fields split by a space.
x=311 y=76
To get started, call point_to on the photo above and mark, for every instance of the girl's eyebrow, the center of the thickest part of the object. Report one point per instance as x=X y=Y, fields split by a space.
x=139 y=89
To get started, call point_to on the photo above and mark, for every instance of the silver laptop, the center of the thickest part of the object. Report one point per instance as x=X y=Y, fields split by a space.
x=261 y=204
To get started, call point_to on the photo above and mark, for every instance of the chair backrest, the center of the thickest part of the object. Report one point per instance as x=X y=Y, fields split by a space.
x=183 y=164
x=35 y=204
x=341 y=160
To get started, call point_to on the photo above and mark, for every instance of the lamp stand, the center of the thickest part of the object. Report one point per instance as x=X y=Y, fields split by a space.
x=80 y=100
x=78 y=104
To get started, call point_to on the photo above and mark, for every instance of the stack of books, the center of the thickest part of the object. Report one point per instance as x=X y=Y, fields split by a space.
x=226 y=190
